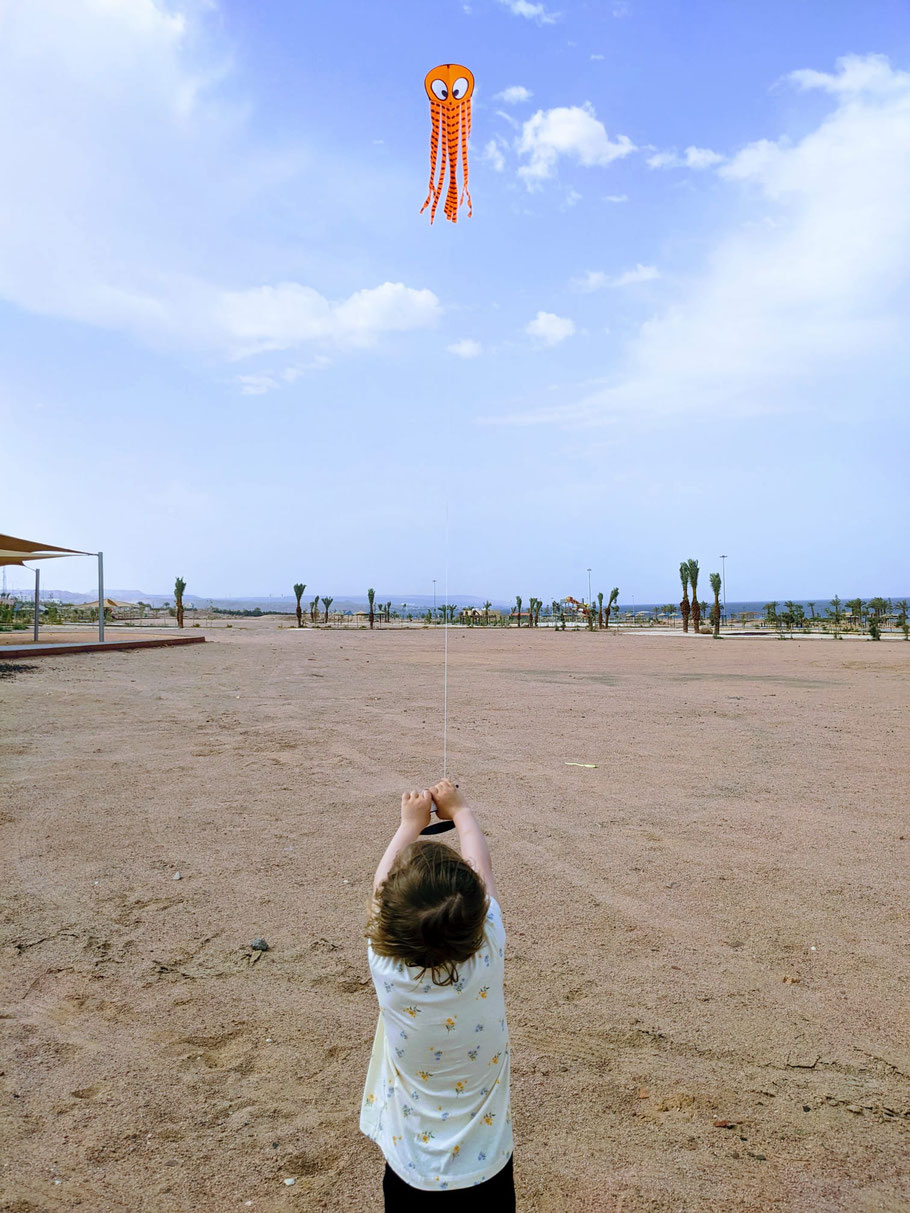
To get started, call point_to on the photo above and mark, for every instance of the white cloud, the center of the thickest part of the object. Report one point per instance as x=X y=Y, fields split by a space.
x=692 y=157
x=641 y=273
x=514 y=94
x=597 y=58
x=572 y=131
x=857 y=74
x=533 y=12
x=593 y=280
x=802 y=302
x=257 y=385
x=550 y=329
x=492 y=153
x=127 y=175
x=616 y=197
x=281 y=317
x=467 y=348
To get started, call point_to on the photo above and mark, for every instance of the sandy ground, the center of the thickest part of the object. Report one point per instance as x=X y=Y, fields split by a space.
x=711 y=926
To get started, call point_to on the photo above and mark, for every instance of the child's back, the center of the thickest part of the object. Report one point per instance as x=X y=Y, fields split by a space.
x=437 y=1090
x=436 y=1098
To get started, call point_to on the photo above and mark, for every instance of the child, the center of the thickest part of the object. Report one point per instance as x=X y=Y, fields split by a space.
x=436 y=1099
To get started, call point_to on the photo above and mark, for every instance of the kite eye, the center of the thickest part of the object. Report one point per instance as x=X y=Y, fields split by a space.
x=439 y=89
x=459 y=88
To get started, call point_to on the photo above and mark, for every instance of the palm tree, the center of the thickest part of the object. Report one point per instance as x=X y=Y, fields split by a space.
x=684 y=604
x=298 y=590
x=901 y=618
x=812 y=610
x=855 y=607
x=388 y=612
x=486 y=613
x=788 y=614
x=835 y=614
x=179 y=587
x=371 y=596
x=715 y=613
x=600 y=610
x=696 y=605
x=327 y=602
x=611 y=602
x=518 y=608
x=314 y=609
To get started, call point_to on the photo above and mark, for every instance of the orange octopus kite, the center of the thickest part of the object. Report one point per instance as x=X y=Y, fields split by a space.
x=449 y=88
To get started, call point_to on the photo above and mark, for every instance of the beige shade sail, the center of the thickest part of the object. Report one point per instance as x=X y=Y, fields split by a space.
x=110 y=604
x=17 y=551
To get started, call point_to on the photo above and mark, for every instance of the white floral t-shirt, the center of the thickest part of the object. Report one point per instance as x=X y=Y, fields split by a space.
x=436 y=1099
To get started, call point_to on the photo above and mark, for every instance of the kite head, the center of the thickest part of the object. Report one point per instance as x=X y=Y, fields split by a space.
x=450 y=85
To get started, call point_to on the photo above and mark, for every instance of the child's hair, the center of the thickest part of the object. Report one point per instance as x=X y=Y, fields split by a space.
x=429 y=911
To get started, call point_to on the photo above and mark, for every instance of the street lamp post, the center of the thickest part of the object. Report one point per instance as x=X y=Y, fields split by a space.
x=723 y=566
x=434 y=595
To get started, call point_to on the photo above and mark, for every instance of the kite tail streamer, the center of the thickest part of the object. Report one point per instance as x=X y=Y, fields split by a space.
x=465 y=135
x=436 y=116
x=453 y=121
x=437 y=190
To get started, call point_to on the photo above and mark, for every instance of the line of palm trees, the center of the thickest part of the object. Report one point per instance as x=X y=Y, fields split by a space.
x=871 y=615
x=688 y=576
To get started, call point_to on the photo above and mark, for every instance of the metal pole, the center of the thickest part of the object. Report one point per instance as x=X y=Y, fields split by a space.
x=590 y=599
x=101 y=596
x=723 y=565
x=37 y=599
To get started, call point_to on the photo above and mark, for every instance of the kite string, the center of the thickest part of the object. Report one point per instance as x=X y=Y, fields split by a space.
x=445 y=662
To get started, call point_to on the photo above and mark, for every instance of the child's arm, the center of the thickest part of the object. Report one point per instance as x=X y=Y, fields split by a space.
x=415 y=816
x=450 y=804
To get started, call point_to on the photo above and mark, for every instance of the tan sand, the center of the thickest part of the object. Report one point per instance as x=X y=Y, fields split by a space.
x=709 y=927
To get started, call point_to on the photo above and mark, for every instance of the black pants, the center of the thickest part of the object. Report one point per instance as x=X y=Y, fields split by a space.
x=497 y=1195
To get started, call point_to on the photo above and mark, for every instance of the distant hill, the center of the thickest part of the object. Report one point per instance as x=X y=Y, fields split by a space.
x=285 y=604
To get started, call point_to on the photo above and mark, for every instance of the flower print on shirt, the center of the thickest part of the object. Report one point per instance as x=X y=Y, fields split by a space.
x=425 y=1101
x=459 y=1088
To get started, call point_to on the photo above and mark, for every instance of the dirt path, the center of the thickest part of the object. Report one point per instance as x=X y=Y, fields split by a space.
x=710 y=926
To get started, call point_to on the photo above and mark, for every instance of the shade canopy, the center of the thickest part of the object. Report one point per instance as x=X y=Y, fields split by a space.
x=17 y=551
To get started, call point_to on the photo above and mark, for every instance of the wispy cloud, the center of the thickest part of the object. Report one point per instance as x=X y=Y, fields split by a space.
x=92 y=226
x=533 y=12
x=466 y=348
x=514 y=94
x=550 y=328
x=616 y=197
x=806 y=302
x=594 y=280
x=692 y=157
x=566 y=131
x=492 y=153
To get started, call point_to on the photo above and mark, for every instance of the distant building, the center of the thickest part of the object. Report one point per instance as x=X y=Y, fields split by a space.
x=479 y=615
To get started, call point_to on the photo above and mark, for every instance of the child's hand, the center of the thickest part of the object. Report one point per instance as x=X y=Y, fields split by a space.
x=416 y=808
x=448 y=800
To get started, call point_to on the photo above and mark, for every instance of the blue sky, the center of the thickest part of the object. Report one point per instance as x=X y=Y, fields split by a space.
x=231 y=348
